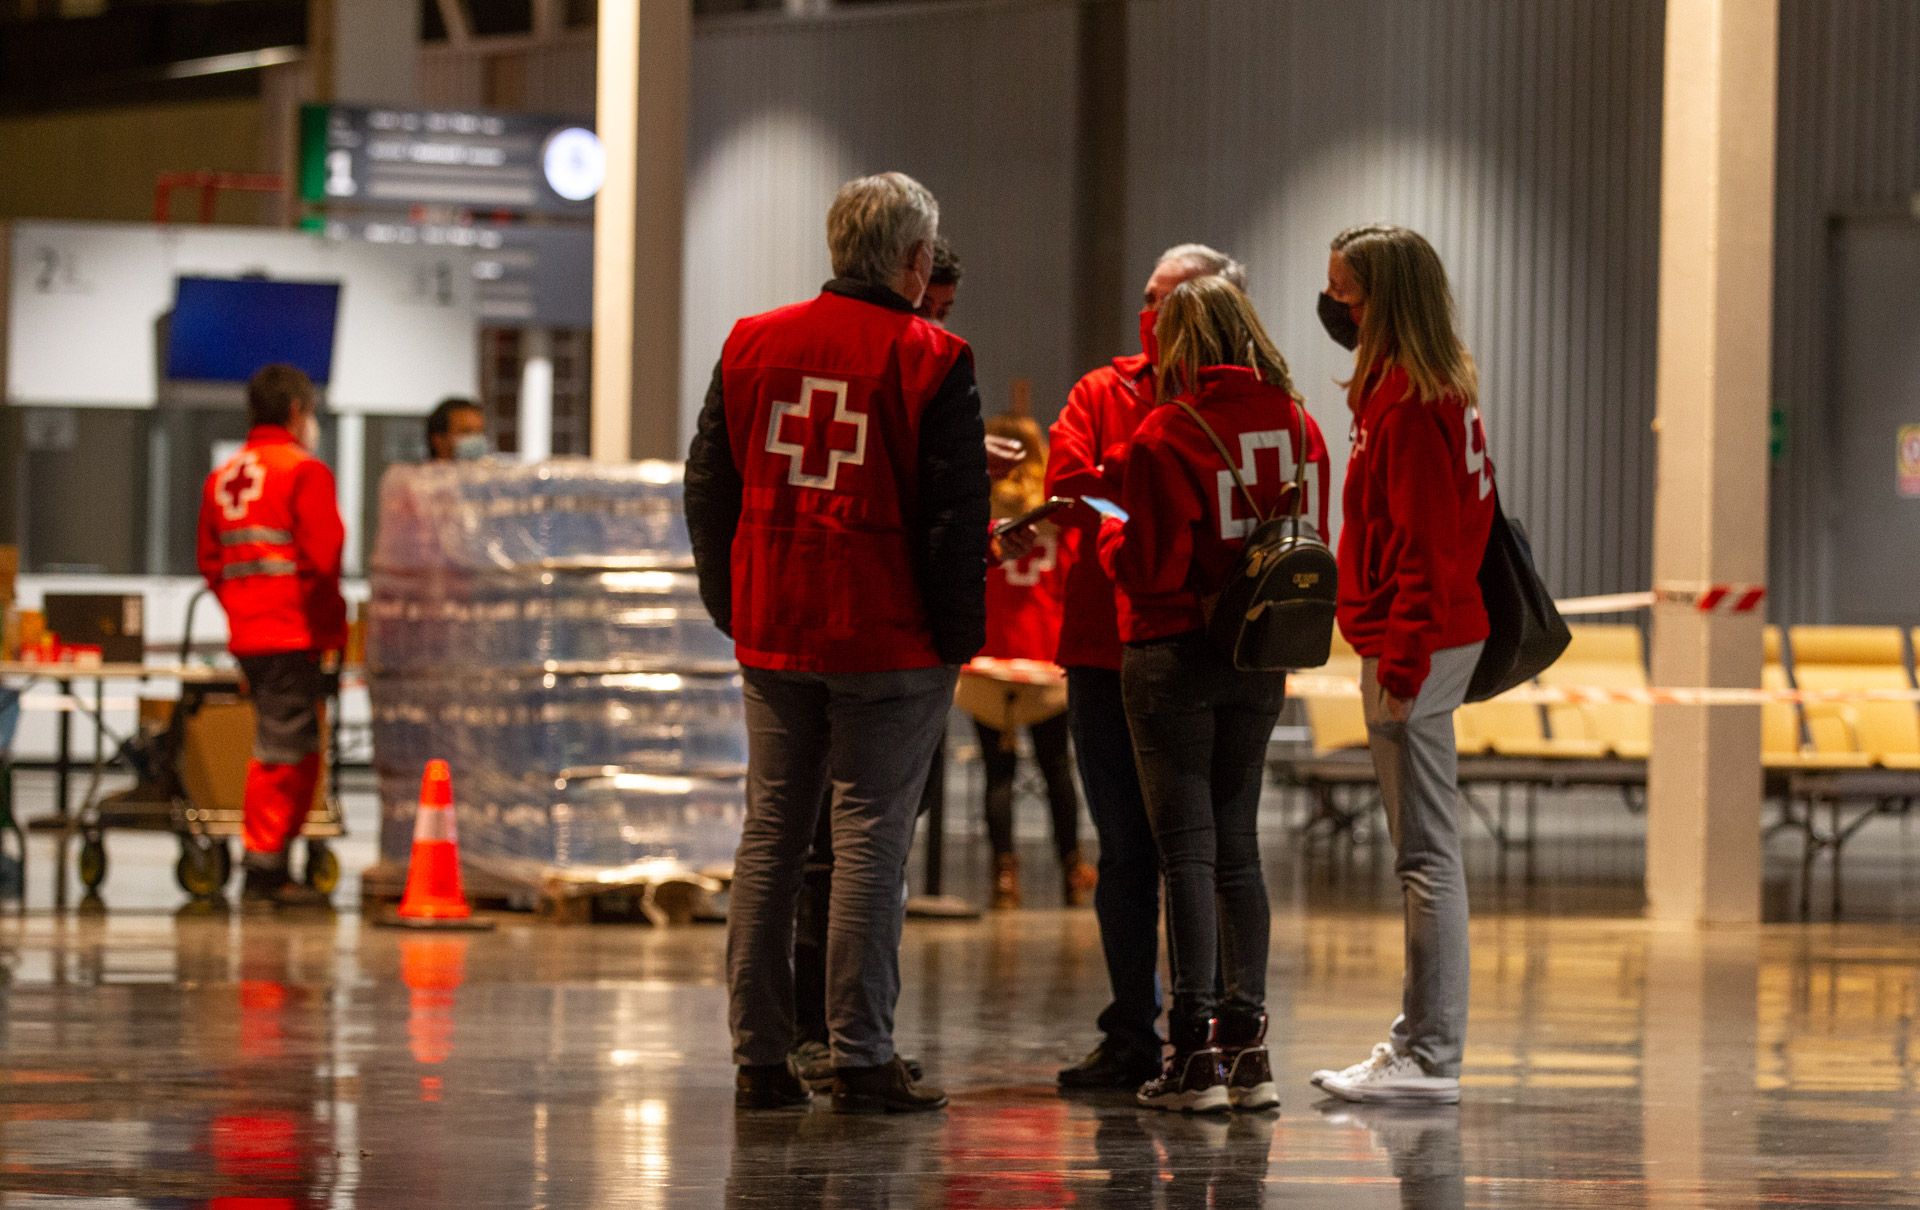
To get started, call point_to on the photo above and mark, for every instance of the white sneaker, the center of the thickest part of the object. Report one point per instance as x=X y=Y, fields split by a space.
x=1399 y=1080
x=1382 y=1053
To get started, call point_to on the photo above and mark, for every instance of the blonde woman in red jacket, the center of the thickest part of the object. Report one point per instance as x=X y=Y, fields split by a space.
x=1200 y=727
x=1418 y=502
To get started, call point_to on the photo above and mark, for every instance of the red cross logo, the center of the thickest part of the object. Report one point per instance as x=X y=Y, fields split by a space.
x=1043 y=558
x=1232 y=504
x=241 y=482
x=821 y=432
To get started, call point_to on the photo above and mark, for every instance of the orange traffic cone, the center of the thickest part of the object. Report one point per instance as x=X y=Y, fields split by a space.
x=434 y=898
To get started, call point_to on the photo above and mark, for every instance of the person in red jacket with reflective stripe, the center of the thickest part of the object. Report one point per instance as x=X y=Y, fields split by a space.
x=1201 y=726
x=836 y=495
x=1419 y=503
x=270 y=542
x=1089 y=441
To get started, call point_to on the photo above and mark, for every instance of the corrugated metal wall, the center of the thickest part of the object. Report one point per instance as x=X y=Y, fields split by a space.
x=1849 y=143
x=978 y=104
x=1521 y=138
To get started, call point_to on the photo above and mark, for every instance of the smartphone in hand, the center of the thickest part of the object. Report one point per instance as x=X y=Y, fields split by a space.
x=1032 y=516
x=1105 y=508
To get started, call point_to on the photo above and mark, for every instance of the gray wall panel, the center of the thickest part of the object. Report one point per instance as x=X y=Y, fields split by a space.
x=1849 y=143
x=977 y=103
x=1521 y=138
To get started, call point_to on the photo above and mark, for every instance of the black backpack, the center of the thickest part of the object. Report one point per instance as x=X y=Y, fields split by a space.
x=1276 y=612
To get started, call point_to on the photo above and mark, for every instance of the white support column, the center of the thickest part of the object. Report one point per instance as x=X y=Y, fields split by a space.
x=1710 y=503
x=536 y=395
x=645 y=47
x=350 y=486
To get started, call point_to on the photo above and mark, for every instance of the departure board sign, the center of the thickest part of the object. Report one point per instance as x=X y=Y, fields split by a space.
x=377 y=157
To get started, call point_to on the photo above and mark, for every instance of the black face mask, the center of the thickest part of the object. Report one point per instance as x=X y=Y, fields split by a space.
x=1337 y=318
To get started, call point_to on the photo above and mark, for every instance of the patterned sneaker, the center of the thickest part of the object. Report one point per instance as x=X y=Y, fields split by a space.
x=1190 y=1083
x=1250 y=1086
x=1382 y=1053
x=1400 y=1080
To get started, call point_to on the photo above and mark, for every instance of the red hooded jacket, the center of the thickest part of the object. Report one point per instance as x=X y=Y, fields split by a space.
x=1419 y=502
x=1188 y=521
x=269 y=546
x=1089 y=439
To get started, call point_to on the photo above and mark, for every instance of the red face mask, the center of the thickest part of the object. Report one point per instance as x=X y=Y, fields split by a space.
x=1148 y=343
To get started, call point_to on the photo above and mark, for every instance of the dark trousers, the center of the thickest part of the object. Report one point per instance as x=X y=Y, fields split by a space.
x=1127 y=900
x=869 y=738
x=1200 y=733
x=1052 y=752
x=810 y=913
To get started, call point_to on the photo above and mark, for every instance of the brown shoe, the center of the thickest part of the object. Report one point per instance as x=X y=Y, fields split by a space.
x=1077 y=880
x=1006 y=882
x=888 y=1088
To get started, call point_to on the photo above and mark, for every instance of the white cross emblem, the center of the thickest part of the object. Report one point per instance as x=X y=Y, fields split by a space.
x=1232 y=527
x=1043 y=558
x=803 y=409
x=241 y=482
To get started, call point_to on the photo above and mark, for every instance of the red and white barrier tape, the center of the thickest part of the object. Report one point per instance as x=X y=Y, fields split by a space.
x=1713 y=598
x=1707 y=598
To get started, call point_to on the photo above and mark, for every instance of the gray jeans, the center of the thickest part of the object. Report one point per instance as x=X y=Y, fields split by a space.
x=870 y=736
x=1418 y=766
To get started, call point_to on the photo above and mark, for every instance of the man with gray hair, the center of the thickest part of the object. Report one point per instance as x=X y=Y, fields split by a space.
x=1089 y=444
x=837 y=497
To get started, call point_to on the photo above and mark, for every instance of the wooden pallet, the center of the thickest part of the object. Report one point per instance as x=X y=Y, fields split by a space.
x=679 y=900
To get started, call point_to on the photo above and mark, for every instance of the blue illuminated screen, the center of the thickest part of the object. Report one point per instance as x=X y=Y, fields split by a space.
x=223 y=329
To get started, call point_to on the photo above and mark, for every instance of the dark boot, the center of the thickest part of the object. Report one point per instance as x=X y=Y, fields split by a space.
x=1111 y=1065
x=771 y=1086
x=888 y=1088
x=1193 y=1080
x=1243 y=1051
x=269 y=888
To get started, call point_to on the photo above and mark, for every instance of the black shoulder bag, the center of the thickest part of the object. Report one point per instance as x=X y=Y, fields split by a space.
x=1276 y=612
x=1526 y=632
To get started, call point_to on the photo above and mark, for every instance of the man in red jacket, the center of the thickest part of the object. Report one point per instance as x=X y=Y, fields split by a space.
x=269 y=546
x=1089 y=441
x=836 y=494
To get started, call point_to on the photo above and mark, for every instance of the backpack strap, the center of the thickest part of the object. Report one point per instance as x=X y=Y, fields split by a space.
x=1299 y=462
x=1233 y=467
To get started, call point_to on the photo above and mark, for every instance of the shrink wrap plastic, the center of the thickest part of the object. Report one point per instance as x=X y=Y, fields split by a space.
x=539 y=628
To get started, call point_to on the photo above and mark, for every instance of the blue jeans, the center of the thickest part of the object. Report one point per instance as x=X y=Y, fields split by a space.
x=1127 y=900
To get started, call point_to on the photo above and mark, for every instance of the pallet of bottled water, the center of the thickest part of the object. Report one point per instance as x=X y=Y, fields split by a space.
x=539 y=628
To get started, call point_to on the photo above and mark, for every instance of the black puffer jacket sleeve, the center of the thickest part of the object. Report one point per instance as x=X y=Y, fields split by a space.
x=951 y=533
x=713 y=490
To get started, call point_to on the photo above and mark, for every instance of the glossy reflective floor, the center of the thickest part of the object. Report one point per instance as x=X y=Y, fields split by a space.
x=155 y=1059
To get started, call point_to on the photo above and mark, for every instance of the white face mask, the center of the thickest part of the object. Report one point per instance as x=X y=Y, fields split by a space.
x=471 y=448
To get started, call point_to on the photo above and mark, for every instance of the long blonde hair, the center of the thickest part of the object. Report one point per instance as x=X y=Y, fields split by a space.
x=1209 y=321
x=1410 y=319
x=1025 y=487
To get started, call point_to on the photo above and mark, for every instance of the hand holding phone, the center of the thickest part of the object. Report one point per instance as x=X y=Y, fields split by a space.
x=1105 y=508
x=1032 y=516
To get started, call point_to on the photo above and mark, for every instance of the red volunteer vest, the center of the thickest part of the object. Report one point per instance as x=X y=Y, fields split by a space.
x=279 y=586
x=823 y=401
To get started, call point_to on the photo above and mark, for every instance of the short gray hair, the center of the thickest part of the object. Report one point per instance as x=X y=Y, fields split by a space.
x=876 y=222
x=1205 y=260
